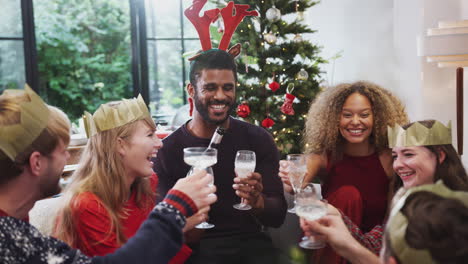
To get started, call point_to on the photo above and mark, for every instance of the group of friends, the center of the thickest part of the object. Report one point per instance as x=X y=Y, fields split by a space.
x=130 y=201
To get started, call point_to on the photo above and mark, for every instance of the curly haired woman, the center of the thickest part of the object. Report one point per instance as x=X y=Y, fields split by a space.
x=347 y=147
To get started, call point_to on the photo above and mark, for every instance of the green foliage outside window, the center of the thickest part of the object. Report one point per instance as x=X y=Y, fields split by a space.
x=84 y=53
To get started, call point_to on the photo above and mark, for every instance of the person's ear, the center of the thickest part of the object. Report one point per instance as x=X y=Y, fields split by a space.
x=190 y=90
x=121 y=146
x=36 y=163
x=442 y=155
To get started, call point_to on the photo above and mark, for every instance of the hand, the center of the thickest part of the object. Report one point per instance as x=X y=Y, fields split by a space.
x=283 y=174
x=196 y=219
x=197 y=187
x=250 y=188
x=331 y=210
x=333 y=230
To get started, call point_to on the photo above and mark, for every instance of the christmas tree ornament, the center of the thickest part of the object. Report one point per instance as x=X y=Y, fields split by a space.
x=302 y=75
x=297 y=38
x=274 y=86
x=300 y=16
x=270 y=38
x=287 y=108
x=273 y=14
x=243 y=110
x=268 y=122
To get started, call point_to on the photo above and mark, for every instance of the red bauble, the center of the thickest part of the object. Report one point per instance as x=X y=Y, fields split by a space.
x=243 y=110
x=274 y=86
x=268 y=122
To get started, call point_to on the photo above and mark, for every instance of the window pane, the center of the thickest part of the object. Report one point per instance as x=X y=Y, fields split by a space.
x=84 y=54
x=190 y=45
x=163 y=18
x=165 y=78
x=10 y=20
x=189 y=29
x=11 y=64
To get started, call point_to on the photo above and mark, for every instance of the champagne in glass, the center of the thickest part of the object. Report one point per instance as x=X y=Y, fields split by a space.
x=311 y=208
x=244 y=165
x=297 y=169
x=201 y=158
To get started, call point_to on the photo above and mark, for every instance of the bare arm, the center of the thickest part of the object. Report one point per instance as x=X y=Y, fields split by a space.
x=315 y=163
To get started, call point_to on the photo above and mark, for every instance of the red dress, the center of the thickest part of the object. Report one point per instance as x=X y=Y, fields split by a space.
x=93 y=223
x=358 y=186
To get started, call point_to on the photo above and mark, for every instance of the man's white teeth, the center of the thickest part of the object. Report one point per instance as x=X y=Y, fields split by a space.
x=218 y=106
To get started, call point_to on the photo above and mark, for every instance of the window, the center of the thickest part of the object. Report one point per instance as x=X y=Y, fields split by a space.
x=91 y=52
x=83 y=52
x=169 y=37
x=12 y=59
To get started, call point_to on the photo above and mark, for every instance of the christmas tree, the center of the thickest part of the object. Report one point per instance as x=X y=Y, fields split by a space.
x=278 y=69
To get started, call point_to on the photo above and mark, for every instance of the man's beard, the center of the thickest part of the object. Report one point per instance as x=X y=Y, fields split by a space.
x=50 y=186
x=203 y=109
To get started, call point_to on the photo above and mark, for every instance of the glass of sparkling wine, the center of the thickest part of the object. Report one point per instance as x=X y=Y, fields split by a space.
x=311 y=208
x=297 y=169
x=201 y=158
x=244 y=165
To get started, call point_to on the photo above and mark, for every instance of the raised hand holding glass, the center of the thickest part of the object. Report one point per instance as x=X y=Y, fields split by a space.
x=201 y=158
x=244 y=165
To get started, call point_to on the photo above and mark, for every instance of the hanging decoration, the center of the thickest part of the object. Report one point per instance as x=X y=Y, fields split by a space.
x=245 y=57
x=274 y=85
x=300 y=16
x=287 y=107
x=268 y=122
x=273 y=14
x=302 y=75
x=243 y=110
x=270 y=38
x=297 y=38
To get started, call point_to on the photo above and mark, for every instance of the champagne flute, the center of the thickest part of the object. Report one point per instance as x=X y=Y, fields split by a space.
x=244 y=165
x=311 y=208
x=297 y=169
x=201 y=158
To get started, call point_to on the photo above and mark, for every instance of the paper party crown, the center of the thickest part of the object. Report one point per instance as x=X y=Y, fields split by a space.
x=109 y=116
x=419 y=135
x=398 y=223
x=34 y=115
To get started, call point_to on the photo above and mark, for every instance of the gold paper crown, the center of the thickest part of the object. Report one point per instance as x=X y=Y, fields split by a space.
x=110 y=116
x=34 y=115
x=419 y=135
x=397 y=223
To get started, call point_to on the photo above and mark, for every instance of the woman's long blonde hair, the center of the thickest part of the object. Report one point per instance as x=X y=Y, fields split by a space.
x=101 y=173
x=322 y=134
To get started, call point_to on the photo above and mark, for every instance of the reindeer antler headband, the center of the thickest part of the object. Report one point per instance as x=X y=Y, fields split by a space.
x=232 y=15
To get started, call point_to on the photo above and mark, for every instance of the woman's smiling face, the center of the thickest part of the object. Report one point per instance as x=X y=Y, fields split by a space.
x=414 y=165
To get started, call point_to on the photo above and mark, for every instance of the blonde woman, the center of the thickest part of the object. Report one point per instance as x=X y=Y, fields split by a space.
x=346 y=142
x=113 y=190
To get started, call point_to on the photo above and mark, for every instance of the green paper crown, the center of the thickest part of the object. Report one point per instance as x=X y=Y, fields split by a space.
x=419 y=135
x=397 y=223
x=110 y=116
x=14 y=139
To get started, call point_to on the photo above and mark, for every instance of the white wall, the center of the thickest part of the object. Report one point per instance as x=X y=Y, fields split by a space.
x=378 y=40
